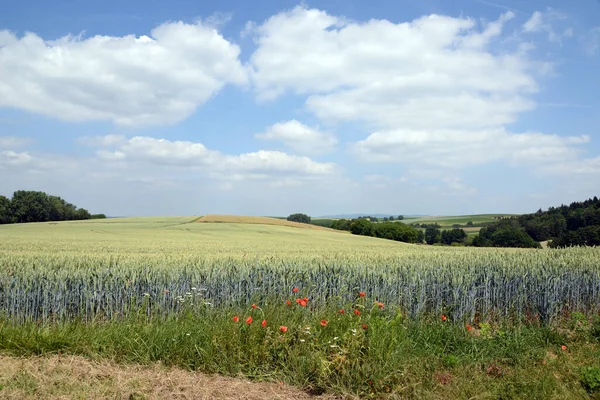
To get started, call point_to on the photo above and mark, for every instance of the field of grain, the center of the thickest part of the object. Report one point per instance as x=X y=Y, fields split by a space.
x=236 y=219
x=60 y=270
x=325 y=311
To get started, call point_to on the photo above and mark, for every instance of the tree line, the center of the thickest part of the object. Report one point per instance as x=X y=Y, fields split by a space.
x=33 y=206
x=577 y=224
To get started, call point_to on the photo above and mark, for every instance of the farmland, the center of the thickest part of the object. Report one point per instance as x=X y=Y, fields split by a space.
x=142 y=290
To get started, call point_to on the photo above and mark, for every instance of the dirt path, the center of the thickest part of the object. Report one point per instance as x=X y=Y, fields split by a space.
x=67 y=377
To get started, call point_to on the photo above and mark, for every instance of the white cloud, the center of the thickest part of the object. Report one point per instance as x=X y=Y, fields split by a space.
x=591 y=41
x=550 y=22
x=183 y=154
x=534 y=24
x=9 y=158
x=101 y=141
x=300 y=137
x=156 y=79
x=12 y=142
x=588 y=166
x=461 y=148
x=435 y=71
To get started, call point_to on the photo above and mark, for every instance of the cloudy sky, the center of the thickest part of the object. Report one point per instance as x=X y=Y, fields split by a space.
x=324 y=107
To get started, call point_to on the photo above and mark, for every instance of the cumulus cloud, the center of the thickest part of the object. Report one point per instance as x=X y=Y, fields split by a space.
x=13 y=142
x=300 y=137
x=101 y=141
x=129 y=80
x=184 y=154
x=460 y=148
x=12 y=159
x=587 y=166
x=435 y=70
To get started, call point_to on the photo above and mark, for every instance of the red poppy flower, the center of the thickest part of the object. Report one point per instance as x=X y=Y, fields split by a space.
x=254 y=306
x=249 y=320
x=302 y=303
x=380 y=304
x=236 y=319
x=563 y=347
x=283 y=329
x=365 y=326
x=295 y=290
x=305 y=299
x=264 y=323
x=444 y=317
x=341 y=312
x=289 y=303
x=362 y=294
x=469 y=327
x=356 y=312
x=323 y=322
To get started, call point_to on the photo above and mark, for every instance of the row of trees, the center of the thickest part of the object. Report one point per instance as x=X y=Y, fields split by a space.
x=32 y=206
x=577 y=224
x=504 y=233
x=386 y=230
x=434 y=235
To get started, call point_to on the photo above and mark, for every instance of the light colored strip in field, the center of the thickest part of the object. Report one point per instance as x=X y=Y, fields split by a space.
x=237 y=219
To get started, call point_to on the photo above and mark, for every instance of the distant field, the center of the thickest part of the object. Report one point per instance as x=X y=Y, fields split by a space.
x=237 y=219
x=179 y=239
x=448 y=221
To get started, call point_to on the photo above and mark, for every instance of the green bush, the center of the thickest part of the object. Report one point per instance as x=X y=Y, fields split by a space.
x=590 y=379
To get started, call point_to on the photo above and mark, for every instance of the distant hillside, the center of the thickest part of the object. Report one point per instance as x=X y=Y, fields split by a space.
x=577 y=224
x=238 y=219
x=353 y=216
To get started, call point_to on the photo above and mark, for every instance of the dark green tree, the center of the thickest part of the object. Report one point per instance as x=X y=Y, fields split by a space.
x=432 y=235
x=362 y=226
x=6 y=214
x=302 y=218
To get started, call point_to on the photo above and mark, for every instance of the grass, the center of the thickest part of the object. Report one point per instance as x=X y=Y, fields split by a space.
x=56 y=377
x=378 y=353
x=448 y=221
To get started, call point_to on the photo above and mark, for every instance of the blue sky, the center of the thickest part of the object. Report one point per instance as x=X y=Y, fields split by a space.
x=235 y=107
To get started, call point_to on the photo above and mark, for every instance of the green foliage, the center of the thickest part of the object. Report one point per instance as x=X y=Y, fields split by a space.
x=6 y=214
x=595 y=328
x=324 y=222
x=504 y=233
x=375 y=354
x=590 y=379
x=453 y=236
x=362 y=226
x=341 y=224
x=432 y=235
x=302 y=218
x=31 y=206
x=396 y=231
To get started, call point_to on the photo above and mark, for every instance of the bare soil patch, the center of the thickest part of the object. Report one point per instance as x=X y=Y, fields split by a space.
x=70 y=377
x=239 y=219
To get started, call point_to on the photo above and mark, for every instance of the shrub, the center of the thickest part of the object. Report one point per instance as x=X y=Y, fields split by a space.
x=590 y=379
x=302 y=218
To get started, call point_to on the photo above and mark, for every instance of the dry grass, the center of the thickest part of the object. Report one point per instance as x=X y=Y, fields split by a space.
x=238 y=219
x=66 y=377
